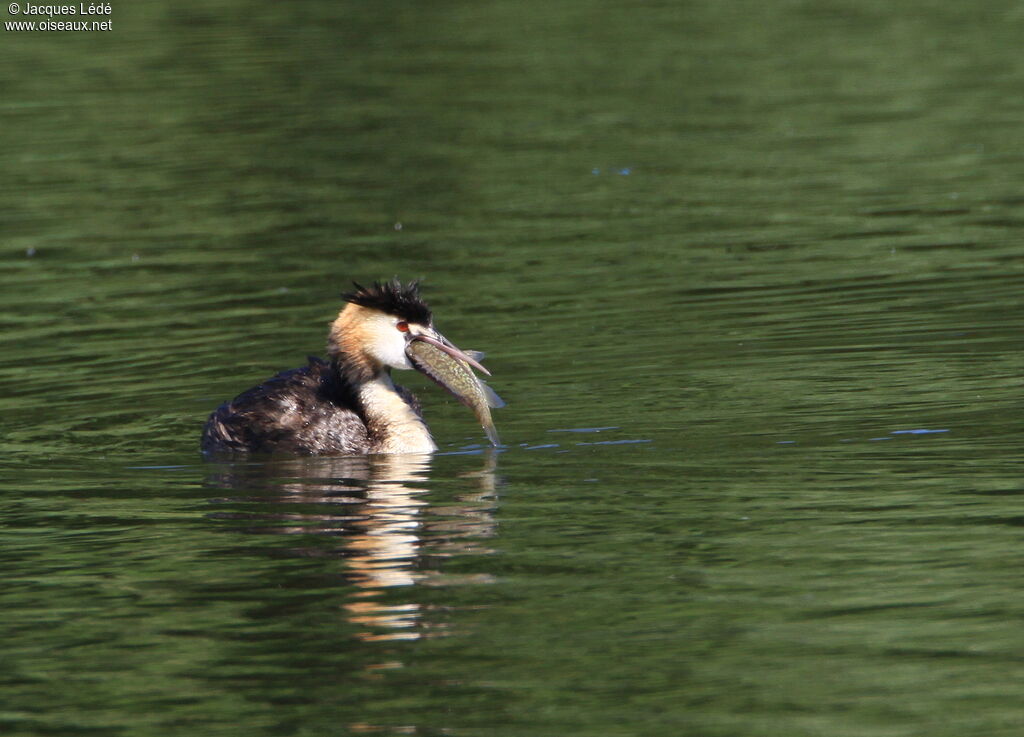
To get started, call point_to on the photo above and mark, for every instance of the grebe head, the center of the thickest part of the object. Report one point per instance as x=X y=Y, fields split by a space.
x=372 y=331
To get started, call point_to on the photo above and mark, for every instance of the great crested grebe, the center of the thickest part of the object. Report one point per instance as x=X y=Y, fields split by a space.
x=347 y=404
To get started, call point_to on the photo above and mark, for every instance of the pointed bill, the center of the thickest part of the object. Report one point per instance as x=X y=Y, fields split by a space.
x=453 y=351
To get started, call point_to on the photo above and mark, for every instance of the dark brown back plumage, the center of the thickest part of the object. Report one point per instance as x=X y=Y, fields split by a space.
x=310 y=410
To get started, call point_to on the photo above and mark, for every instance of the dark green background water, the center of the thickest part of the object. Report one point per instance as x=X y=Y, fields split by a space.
x=765 y=245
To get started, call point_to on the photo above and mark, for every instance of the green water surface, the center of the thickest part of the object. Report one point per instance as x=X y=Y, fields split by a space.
x=748 y=275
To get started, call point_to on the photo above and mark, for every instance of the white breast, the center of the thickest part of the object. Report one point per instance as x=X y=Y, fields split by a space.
x=401 y=428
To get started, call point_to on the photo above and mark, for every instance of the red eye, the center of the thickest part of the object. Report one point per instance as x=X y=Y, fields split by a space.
x=403 y=326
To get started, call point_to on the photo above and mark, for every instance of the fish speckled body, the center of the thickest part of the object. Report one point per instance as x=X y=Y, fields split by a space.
x=458 y=379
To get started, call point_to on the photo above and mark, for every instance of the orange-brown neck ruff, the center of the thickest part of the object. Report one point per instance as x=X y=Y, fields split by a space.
x=346 y=345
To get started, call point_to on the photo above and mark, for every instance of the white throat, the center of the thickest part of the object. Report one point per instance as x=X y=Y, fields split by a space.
x=393 y=423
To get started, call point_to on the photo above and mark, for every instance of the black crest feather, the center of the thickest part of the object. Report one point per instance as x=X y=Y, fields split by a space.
x=393 y=298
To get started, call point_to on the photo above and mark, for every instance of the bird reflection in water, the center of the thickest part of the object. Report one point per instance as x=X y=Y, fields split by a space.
x=391 y=535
